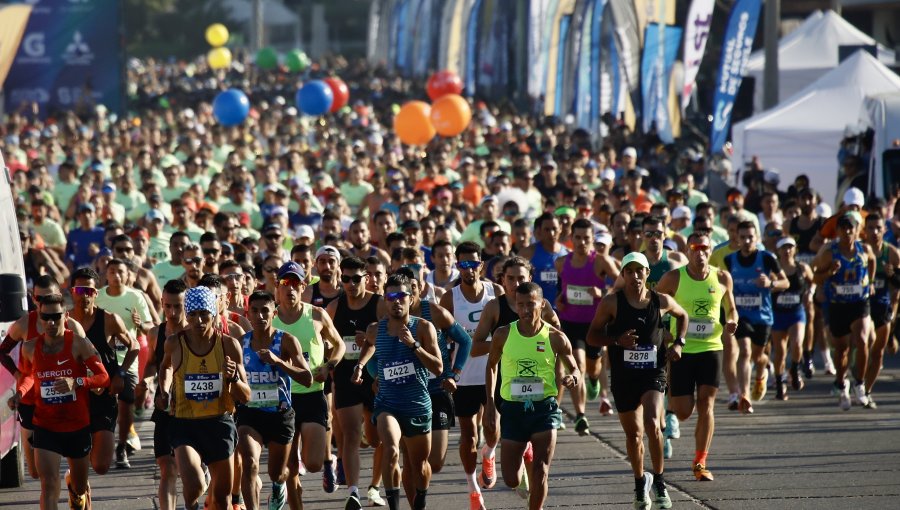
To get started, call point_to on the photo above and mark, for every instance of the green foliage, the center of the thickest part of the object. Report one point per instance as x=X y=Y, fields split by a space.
x=163 y=28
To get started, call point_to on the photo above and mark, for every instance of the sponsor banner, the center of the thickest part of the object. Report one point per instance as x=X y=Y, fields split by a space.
x=696 y=32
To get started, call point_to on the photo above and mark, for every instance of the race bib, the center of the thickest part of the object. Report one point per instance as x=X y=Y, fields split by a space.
x=548 y=276
x=642 y=357
x=263 y=395
x=748 y=301
x=806 y=258
x=526 y=388
x=51 y=396
x=848 y=290
x=202 y=387
x=399 y=373
x=352 y=349
x=698 y=328
x=579 y=295
x=788 y=299
x=879 y=283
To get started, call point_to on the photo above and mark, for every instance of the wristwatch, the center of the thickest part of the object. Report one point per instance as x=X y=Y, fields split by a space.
x=455 y=376
x=79 y=381
x=679 y=342
x=415 y=346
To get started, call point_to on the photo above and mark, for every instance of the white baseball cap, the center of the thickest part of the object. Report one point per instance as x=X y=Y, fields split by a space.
x=854 y=196
x=630 y=151
x=608 y=175
x=784 y=241
x=603 y=238
x=682 y=211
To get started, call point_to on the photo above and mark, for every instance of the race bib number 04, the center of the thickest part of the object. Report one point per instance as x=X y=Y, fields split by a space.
x=526 y=388
x=202 y=387
x=642 y=357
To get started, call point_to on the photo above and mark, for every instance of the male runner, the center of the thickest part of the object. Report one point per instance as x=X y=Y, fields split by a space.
x=360 y=239
x=352 y=312
x=544 y=252
x=632 y=319
x=466 y=302
x=104 y=330
x=843 y=267
x=701 y=290
x=56 y=365
x=272 y=359
x=313 y=328
x=406 y=350
x=582 y=276
x=529 y=352
x=175 y=322
x=201 y=377
x=884 y=300
x=789 y=327
x=756 y=273
x=327 y=289
x=444 y=269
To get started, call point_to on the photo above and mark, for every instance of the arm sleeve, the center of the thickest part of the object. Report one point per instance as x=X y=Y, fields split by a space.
x=459 y=335
x=5 y=359
x=100 y=379
x=26 y=379
x=771 y=263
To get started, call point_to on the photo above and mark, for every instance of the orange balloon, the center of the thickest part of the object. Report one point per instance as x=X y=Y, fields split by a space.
x=412 y=123
x=450 y=115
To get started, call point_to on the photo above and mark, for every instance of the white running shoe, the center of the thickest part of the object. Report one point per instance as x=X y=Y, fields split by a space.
x=844 y=397
x=859 y=394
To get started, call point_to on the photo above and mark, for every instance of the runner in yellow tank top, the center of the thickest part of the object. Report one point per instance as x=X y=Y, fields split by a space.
x=530 y=350
x=203 y=372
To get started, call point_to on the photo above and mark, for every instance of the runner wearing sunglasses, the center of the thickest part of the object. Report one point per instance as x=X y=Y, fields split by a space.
x=313 y=328
x=703 y=292
x=466 y=302
x=352 y=312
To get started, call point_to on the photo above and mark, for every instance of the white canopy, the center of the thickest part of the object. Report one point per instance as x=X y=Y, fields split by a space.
x=803 y=134
x=882 y=114
x=808 y=52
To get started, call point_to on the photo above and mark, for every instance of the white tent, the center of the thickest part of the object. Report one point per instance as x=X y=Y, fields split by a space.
x=882 y=114
x=808 y=52
x=803 y=134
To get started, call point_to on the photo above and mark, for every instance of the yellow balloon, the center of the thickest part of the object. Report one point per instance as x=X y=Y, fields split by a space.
x=219 y=58
x=216 y=35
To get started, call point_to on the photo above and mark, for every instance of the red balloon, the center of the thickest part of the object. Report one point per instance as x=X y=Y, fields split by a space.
x=340 y=91
x=442 y=83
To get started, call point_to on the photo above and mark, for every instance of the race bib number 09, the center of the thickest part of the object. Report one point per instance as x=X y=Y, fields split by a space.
x=700 y=328
x=202 y=387
x=642 y=357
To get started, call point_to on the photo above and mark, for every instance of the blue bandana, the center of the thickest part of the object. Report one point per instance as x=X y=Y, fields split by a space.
x=200 y=298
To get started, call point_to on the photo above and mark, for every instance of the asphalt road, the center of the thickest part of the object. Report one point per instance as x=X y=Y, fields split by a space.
x=803 y=453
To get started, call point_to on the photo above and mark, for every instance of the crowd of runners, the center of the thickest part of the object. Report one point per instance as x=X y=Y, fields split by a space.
x=311 y=287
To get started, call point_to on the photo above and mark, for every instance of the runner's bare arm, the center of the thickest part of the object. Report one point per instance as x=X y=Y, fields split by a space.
x=490 y=374
x=115 y=328
x=486 y=324
x=823 y=265
x=330 y=335
x=235 y=377
x=731 y=315
x=667 y=304
x=171 y=360
x=563 y=349
x=13 y=336
x=429 y=353
x=549 y=315
x=365 y=354
x=292 y=361
x=606 y=313
x=668 y=284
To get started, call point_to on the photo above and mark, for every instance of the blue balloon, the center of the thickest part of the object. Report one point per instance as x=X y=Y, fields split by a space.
x=231 y=107
x=315 y=98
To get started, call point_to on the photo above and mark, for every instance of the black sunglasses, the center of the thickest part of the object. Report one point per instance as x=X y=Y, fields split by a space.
x=210 y=251
x=194 y=260
x=54 y=317
x=355 y=278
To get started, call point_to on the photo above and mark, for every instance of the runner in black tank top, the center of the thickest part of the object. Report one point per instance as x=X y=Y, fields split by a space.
x=506 y=314
x=347 y=322
x=804 y=238
x=104 y=407
x=320 y=300
x=645 y=322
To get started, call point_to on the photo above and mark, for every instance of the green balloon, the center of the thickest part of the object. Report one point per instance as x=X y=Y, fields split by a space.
x=296 y=61
x=267 y=58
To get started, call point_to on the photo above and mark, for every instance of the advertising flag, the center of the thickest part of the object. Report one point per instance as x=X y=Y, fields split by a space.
x=696 y=32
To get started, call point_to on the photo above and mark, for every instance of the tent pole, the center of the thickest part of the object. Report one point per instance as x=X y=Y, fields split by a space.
x=770 y=72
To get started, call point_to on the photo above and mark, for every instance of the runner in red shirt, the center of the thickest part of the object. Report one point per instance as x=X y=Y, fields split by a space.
x=56 y=364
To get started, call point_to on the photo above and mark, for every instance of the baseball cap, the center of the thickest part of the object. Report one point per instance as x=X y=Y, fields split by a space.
x=410 y=224
x=489 y=198
x=772 y=177
x=87 y=206
x=268 y=227
x=291 y=268
x=565 y=211
x=603 y=238
x=155 y=214
x=608 y=175
x=630 y=151
x=329 y=251
x=680 y=212
x=109 y=187
x=854 y=196
x=635 y=256
x=784 y=241
x=304 y=231
x=851 y=217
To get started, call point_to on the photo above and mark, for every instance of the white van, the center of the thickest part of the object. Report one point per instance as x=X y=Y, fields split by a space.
x=12 y=304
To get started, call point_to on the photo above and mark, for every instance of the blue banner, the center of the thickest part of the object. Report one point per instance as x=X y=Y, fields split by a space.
x=596 y=41
x=661 y=45
x=70 y=58
x=736 y=49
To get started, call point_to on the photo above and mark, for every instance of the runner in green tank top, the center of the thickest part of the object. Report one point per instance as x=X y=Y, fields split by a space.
x=530 y=350
x=694 y=375
x=318 y=338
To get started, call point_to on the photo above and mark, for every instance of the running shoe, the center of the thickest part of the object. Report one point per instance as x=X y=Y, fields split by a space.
x=592 y=387
x=122 y=458
x=528 y=456
x=809 y=369
x=871 y=404
x=667 y=448
x=582 y=426
x=859 y=394
x=843 y=397
x=770 y=375
x=701 y=473
x=353 y=502
x=76 y=502
x=661 y=495
x=487 y=477
x=302 y=470
x=374 y=497
x=476 y=502
x=328 y=478
x=758 y=389
x=606 y=409
x=796 y=381
x=781 y=392
x=829 y=366
x=642 y=495
x=673 y=427
x=523 y=489
x=278 y=497
x=745 y=406
x=340 y=478
x=133 y=443
x=562 y=425
x=733 y=402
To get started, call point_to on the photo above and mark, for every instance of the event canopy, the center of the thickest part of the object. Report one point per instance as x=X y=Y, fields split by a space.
x=802 y=135
x=882 y=114
x=810 y=51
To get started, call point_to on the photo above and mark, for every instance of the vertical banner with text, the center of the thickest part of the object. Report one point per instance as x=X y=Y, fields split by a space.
x=71 y=57
x=696 y=32
x=736 y=49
